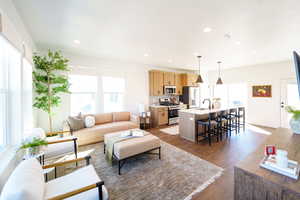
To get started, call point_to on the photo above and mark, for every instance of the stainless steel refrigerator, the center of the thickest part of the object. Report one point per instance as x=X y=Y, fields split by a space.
x=191 y=96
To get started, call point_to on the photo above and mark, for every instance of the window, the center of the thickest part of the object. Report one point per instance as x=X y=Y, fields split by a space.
x=3 y=93
x=27 y=97
x=237 y=94
x=15 y=94
x=113 y=91
x=221 y=91
x=231 y=94
x=83 y=94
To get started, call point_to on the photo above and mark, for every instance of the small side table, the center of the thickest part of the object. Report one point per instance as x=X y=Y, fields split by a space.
x=145 y=122
x=40 y=156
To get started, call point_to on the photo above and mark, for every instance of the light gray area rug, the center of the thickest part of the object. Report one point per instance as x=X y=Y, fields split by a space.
x=174 y=130
x=177 y=176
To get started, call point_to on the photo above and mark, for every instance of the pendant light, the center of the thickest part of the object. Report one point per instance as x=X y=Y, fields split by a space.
x=219 y=81
x=199 y=78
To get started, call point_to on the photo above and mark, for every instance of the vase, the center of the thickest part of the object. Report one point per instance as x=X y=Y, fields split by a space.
x=295 y=125
x=33 y=151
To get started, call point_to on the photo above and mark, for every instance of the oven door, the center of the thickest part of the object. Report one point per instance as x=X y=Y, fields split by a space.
x=173 y=113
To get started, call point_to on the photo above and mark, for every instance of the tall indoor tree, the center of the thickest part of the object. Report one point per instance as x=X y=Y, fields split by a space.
x=49 y=81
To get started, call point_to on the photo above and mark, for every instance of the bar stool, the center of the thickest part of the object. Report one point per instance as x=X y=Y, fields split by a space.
x=209 y=128
x=241 y=114
x=232 y=121
x=222 y=123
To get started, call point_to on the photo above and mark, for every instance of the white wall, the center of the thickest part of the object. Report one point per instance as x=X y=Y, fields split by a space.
x=261 y=111
x=14 y=29
x=136 y=80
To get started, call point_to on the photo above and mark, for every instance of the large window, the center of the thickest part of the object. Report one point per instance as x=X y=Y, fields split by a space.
x=113 y=91
x=232 y=94
x=237 y=94
x=83 y=94
x=15 y=94
x=221 y=92
x=3 y=93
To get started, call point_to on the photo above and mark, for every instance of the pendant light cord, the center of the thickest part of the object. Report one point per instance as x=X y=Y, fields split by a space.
x=219 y=68
x=199 y=57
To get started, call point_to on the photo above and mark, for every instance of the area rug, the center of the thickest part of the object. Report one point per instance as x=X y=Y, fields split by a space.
x=177 y=176
x=174 y=130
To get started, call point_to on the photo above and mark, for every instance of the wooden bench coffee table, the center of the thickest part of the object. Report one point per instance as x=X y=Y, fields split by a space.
x=134 y=146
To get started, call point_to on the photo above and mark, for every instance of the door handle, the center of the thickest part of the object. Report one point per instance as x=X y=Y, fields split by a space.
x=282 y=104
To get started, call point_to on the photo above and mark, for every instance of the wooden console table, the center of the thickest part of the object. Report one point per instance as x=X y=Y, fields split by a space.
x=251 y=182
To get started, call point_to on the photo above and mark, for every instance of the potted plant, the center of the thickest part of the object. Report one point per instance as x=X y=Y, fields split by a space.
x=33 y=145
x=49 y=81
x=295 y=120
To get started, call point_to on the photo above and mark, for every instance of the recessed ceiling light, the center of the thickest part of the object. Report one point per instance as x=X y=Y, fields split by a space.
x=238 y=43
x=207 y=30
x=227 y=36
x=146 y=55
x=76 y=41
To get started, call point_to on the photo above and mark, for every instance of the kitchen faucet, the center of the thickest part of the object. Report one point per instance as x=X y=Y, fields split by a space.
x=209 y=107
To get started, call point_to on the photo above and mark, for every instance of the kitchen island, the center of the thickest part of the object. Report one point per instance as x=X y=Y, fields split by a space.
x=188 y=118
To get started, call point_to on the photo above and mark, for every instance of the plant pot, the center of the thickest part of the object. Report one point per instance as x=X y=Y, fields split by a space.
x=295 y=125
x=33 y=151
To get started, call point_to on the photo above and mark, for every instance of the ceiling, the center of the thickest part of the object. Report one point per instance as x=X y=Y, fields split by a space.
x=170 y=32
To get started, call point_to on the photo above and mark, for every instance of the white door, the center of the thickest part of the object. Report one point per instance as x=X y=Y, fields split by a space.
x=289 y=97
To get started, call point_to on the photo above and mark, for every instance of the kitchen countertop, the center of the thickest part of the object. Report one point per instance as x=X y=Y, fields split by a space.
x=158 y=106
x=205 y=111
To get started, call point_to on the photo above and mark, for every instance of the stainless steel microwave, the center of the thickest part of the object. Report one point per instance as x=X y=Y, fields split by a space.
x=169 y=89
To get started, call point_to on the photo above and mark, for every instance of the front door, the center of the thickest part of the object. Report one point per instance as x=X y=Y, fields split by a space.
x=289 y=97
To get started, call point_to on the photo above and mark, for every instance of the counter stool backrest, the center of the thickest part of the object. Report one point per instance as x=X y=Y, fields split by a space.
x=233 y=111
x=241 y=111
x=212 y=116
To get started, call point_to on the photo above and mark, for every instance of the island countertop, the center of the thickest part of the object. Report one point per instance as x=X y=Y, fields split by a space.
x=188 y=118
x=198 y=111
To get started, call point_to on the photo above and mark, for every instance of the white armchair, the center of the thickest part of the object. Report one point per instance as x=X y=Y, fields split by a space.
x=27 y=183
x=57 y=146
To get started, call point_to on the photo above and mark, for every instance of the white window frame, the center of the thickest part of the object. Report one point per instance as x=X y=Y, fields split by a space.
x=14 y=129
x=90 y=93
x=118 y=93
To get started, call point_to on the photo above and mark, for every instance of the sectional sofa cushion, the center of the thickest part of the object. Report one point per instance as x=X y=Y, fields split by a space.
x=121 y=116
x=89 y=121
x=25 y=183
x=103 y=118
x=97 y=132
x=76 y=123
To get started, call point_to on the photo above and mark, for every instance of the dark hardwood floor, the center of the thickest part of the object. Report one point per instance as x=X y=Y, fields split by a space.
x=224 y=154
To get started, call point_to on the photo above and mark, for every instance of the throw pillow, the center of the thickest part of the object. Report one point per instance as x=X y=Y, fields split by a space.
x=25 y=183
x=76 y=123
x=89 y=121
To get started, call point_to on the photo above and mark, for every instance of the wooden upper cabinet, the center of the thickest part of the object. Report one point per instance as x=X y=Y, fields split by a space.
x=189 y=79
x=169 y=78
x=178 y=83
x=156 y=83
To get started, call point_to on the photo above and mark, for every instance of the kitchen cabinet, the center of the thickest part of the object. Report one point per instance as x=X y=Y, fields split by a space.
x=189 y=79
x=169 y=78
x=159 y=115
x=178 y=83
x=156 y=83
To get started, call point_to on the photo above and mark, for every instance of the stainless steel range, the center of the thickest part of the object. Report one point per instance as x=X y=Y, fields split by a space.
x=173 y=108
